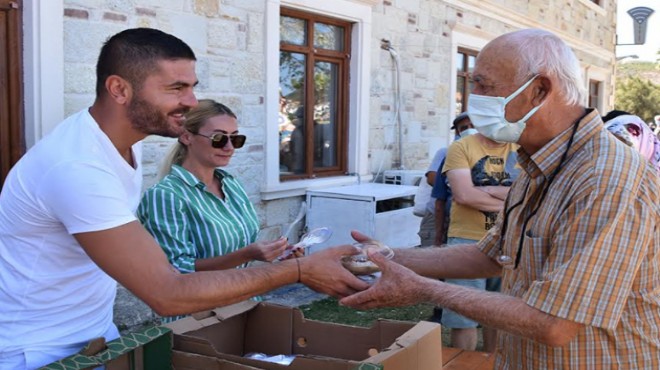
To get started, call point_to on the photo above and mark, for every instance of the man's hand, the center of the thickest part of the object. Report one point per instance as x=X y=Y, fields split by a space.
x=397 y=286
x=323 y=272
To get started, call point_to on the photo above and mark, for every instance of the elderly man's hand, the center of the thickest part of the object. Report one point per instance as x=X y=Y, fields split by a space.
x=397 y=286
x=323 y=272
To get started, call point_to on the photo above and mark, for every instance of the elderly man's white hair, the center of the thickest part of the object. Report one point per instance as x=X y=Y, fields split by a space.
x=539 y=51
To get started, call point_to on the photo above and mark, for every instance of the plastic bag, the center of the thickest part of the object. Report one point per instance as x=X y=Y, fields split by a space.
x=422 y=197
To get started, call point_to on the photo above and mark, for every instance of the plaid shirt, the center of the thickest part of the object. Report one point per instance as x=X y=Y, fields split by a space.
x=591 y=253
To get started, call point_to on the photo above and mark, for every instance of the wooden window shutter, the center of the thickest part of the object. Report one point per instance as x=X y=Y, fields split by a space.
x=12 y=138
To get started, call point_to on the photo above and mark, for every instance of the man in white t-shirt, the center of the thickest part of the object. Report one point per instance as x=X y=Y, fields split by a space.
x=67 y=224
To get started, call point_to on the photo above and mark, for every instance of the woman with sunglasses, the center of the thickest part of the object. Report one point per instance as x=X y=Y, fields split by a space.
x=200 y=213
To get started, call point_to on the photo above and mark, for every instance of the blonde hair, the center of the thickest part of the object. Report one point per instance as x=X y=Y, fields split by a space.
x=195 y=119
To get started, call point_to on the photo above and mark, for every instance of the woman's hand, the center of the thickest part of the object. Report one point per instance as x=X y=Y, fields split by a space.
x=267 y=251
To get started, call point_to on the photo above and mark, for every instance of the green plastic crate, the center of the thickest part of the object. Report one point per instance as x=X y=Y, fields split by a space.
x=147 y=349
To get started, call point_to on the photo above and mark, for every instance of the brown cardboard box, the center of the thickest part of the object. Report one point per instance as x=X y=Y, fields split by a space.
x=191 y=361
x=230 y=332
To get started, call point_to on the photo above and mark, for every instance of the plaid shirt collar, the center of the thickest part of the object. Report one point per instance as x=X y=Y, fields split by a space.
x=545 y=161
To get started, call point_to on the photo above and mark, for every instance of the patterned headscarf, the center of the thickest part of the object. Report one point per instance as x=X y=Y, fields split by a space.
x=633 y=131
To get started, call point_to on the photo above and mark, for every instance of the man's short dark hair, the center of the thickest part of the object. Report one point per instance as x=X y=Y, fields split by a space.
x=458 y=119
x=134 y=53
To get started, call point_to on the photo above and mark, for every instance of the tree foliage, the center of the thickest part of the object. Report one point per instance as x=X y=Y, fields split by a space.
x=638 y=96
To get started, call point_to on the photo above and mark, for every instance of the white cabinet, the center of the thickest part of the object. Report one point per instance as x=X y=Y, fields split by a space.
x=382 y=211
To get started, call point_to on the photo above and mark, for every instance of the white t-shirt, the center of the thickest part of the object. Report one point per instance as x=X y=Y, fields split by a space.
x=54 y=298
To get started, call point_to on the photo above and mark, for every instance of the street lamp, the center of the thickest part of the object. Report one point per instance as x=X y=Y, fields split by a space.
x=640 y=16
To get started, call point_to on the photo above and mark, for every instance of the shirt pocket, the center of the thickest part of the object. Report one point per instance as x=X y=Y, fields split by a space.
x=536 y=250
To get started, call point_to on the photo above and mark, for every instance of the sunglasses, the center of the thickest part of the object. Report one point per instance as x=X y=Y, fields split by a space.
x=220 y=140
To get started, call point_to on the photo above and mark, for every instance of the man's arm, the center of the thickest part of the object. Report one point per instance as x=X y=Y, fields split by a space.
x=132 y=257
x=455 y=262
x=430 y=177
x=499 y=192
x=465 y=193
x=432 y=171
x=399 y=286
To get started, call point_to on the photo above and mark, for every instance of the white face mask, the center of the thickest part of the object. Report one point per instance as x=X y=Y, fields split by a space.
x=468 y=131
x=487 y=114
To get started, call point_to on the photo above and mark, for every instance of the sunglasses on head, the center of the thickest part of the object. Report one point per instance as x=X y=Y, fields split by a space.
x=220 y=140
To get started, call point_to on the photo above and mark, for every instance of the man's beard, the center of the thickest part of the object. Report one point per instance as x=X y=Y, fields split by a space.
x=148 y=119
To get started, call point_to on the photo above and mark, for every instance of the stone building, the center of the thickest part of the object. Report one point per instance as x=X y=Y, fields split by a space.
x=392 y=74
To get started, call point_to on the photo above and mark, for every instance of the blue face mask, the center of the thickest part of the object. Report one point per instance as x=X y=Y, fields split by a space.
x=468 y=132
x=487 y=114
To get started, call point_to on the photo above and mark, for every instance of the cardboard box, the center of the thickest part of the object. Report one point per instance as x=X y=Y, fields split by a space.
x=147 y=349
x=230 y=332
x=191 y=361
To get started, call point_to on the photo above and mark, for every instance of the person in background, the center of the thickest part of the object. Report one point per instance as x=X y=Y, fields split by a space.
x=427 y=229
x=631 y=130
x=68 y=231
x=441 y=195
x=578 y=241
x=480 y=172
x=427 y=224
x=200 y=214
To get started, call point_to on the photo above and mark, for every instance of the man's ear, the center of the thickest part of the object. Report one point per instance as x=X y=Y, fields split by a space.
x=118 y=89
x=542 y=90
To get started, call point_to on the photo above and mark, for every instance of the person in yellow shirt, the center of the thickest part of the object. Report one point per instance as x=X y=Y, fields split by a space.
x=480 y=172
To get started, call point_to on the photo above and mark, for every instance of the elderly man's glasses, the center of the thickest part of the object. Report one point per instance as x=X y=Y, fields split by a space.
x=220 y=140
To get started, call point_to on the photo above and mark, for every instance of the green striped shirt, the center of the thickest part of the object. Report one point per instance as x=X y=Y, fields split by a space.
x=190 y=223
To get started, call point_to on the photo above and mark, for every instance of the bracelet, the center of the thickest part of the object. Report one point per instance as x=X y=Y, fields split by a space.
x=298 y=263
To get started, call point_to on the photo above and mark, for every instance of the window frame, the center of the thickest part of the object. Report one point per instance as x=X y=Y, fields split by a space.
x=360 y=13
x=312 y=56
x=464 y=75
x=595 y=100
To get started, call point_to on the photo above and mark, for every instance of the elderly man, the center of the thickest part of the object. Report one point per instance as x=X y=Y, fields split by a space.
x=578 y=242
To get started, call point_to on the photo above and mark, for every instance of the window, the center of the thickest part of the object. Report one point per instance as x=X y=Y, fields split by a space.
x=12 y=143
x=313 y=102
x=465 y=60
x=597 y=2
x=594 y=94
